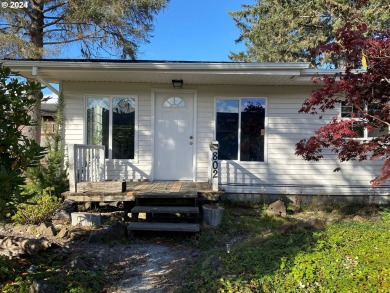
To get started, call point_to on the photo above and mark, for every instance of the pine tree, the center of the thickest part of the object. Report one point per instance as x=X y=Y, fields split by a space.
x=286 y=30
x=41 y=27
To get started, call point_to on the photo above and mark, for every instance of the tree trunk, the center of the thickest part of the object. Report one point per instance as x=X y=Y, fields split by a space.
x=36 y=37
x=34 y=132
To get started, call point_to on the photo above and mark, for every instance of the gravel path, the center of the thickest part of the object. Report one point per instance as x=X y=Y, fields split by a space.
x=152 y=268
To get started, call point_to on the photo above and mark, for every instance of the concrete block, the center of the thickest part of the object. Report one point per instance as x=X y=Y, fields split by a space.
x=86 y=219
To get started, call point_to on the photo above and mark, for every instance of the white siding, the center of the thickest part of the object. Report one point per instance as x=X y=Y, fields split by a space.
x=74 y=96
x=283 y=172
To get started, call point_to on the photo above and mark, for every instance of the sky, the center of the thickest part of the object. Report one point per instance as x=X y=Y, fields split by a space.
x=190 y=30
x=195 y=30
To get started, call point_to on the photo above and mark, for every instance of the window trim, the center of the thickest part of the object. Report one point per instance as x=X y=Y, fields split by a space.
x=136 y=132
x=239 y=98
x=357 y=119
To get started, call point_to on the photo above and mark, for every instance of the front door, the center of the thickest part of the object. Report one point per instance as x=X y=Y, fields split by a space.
x=174 y=136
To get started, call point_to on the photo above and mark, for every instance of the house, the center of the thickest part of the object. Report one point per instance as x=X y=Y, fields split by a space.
x=157 y=120
x=48 y=112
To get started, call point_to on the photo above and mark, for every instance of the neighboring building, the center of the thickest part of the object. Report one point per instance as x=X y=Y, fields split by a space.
x=48 y=112
x=154 y=131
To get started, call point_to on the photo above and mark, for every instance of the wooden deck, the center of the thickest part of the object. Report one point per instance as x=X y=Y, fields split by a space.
x=133 y=189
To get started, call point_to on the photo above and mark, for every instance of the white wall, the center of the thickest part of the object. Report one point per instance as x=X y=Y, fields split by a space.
x=283 y=171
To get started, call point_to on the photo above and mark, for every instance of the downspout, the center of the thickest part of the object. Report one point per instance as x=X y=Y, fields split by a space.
x=43 y=81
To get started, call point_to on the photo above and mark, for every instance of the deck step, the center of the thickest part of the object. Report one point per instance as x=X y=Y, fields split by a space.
x=165 y=209
x=180 y=227
x=160 y=195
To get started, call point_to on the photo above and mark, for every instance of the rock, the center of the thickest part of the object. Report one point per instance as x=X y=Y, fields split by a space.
x=117 y=231
x=32 y=230
x=64 y=233
x=286 y=229
x=277 y=209
x=358 y=218
x=20 y=229
x=62 y=214
x=376 y=218
x=41 y=286
x=79 y=263
x=46 y=230
x=14 y=246
x=98 y=237
x=332 y=219
x=316 y=224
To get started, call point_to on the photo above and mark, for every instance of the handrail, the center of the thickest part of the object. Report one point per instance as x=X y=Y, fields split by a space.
x=86 y=164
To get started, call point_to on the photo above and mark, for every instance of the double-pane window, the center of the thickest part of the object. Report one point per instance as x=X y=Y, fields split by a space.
x=240 y=128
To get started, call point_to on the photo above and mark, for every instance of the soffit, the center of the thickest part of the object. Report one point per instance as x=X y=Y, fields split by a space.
x=164 y=73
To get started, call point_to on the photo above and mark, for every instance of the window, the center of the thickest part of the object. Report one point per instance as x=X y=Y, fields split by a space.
x=240 y=128
x=174 y=102
x=350 y=112
x=117 y=114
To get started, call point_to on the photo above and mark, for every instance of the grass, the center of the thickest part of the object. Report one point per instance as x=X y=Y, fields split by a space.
x=347 y=256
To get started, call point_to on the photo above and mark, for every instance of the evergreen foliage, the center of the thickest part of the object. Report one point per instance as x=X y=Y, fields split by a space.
x=286 y=30
x=52 y=172
x=115 y=27
x=17 y=152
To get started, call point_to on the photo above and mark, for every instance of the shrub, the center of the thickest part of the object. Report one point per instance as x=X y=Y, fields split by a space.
x=40 y=208
x=17 y=152
x=52 y=172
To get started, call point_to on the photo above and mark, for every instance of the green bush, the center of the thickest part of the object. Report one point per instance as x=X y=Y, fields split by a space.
x=40 y=208
x=17 y=152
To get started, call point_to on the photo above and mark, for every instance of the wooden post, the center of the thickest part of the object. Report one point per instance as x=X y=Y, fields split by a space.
x=72 y=168
x=214 y=145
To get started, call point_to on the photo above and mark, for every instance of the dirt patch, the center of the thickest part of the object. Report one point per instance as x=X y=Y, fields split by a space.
x=151 y=262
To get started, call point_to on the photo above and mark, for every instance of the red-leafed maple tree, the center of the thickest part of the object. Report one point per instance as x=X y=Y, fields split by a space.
x=362 y=91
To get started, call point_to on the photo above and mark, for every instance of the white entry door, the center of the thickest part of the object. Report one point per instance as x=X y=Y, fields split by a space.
x=174 y=137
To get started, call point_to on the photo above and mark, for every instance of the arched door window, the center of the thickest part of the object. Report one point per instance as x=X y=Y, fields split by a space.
x=174 y=102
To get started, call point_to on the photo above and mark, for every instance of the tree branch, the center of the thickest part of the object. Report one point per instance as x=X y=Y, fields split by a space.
x=54 y=7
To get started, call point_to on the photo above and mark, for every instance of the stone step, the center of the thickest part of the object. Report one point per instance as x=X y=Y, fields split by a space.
x=179 y=227
x=165 y=209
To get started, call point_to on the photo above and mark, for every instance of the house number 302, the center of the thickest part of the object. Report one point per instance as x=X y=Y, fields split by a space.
x=215 y=164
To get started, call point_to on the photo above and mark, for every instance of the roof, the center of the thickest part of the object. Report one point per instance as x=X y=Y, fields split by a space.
x=48 y=109
x=160 y=72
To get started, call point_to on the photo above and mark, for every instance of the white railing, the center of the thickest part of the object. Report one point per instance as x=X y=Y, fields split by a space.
x=86 y=164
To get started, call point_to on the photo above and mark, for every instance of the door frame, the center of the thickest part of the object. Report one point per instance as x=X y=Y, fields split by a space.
x=154 y=94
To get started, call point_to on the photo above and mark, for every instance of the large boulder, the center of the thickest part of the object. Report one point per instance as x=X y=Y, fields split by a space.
x=46 y=229
x=63 y=214
x=276 y=209
x=15 y=246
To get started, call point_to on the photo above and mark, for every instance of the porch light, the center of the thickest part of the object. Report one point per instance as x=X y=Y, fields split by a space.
x=177 y=83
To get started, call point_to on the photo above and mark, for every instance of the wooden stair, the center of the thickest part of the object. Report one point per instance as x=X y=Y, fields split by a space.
x=175 y=211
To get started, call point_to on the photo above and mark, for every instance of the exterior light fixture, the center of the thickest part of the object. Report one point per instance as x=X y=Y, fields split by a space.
x=177 y=83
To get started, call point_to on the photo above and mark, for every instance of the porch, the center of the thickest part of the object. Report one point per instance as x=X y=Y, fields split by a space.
x=127 y=191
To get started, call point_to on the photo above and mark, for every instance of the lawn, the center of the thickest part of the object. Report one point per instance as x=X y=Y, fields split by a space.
x=350 y=254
